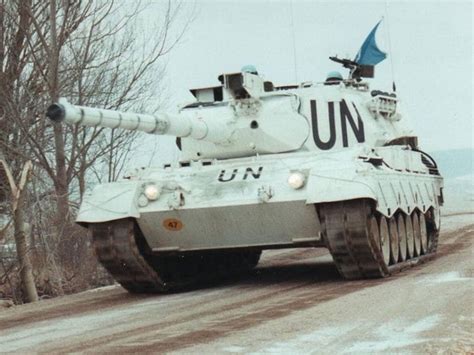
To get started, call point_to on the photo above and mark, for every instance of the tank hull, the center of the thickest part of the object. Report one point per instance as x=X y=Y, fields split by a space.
x=268 y=225
x=375 y=215
x=221 y=205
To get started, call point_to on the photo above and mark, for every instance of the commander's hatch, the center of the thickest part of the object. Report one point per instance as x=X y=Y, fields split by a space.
x=209 y=94
x=236 y=86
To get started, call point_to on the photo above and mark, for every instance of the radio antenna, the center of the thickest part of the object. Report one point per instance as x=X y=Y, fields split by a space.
x=387 y=32
x=292 y=29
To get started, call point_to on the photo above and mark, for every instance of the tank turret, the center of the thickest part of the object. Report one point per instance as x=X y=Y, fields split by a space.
x=241 y=117
x=247 y=116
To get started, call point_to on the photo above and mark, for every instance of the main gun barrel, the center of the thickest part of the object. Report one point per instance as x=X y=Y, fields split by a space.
x=161 y=123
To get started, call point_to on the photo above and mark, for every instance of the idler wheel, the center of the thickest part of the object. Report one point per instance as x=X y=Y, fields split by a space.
x=394 y=247
x=410 y=237
x=423 y=234
x=384 y=240
x=433 y=224
x=402 y=238
x=416 y=233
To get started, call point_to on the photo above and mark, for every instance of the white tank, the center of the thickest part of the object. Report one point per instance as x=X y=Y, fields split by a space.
x=331 y=165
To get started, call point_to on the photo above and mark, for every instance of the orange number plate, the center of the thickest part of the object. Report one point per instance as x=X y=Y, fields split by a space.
x=173 y=224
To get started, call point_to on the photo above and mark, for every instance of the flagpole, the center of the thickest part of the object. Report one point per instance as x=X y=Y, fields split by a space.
x=387 y=34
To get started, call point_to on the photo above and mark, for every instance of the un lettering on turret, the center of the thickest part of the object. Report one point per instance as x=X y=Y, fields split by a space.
x=345 y=118
x=225 y=176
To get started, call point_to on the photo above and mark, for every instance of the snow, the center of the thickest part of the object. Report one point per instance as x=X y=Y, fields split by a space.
x=103 y=288
x=41 y=333
x=395 y=335
x=313 y=340
x=233 y=349
x=452 y=276
x=54 y=330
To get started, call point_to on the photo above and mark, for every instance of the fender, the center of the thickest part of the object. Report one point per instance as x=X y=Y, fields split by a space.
x=109 y=202
x=330 y=187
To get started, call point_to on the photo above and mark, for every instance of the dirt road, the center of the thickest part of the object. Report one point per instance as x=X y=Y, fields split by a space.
x=294 y=302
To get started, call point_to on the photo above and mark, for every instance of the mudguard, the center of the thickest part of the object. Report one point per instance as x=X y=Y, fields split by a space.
x=109 y=202
x=333 y=187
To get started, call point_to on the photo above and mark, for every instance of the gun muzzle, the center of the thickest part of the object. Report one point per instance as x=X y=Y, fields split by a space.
x=56 y=112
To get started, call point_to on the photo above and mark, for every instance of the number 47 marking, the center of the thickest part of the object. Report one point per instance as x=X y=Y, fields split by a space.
x=173 y=224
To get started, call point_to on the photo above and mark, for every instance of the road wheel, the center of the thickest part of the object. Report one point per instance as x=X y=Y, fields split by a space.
x=423 y=234
x=384 y=240
x=402 y=237
x=410 y=237
x=393 y=232
x=416 y=233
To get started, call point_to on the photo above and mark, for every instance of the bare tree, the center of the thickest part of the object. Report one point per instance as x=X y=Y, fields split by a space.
x=89 y=51
x=18 y=192
x=86 y=51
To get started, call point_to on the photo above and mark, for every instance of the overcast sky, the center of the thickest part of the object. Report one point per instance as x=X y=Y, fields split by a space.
x=430 y=53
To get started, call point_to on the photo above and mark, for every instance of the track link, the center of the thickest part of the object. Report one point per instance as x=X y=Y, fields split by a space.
x=123 y=251
x=351 y=233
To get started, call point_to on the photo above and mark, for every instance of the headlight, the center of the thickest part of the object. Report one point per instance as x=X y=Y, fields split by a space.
x=152 y=192
x=296 y=180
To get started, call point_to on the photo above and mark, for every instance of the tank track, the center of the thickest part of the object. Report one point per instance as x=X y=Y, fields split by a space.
x=117 y=251
x=351 y=230
x=123 y=251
